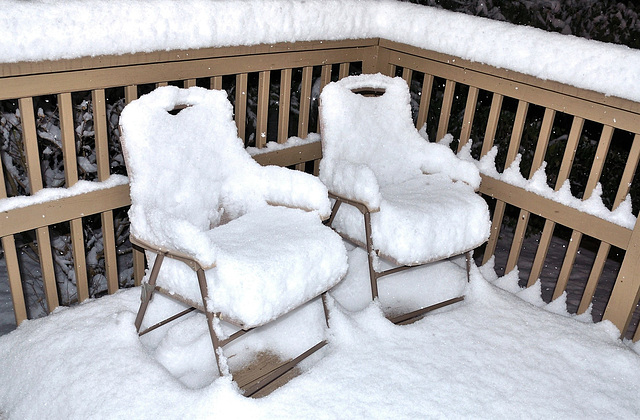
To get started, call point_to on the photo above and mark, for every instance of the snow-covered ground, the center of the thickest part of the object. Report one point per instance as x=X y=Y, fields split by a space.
x=493 y=355
x=496 y=355
x=47 y=29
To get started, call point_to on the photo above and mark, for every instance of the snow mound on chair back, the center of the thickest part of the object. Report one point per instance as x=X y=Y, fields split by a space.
x=378 y=132
x=189 y=171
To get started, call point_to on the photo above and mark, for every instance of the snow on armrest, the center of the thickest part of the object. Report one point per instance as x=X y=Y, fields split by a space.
x=352 y=181
x=441 y=159
x=176 y=236
x=286 y=187
x=189 y=259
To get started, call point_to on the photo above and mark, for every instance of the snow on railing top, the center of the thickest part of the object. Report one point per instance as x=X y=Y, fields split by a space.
x=272 y=146
x=59 y=29
x=54 y=194
x=621 y=215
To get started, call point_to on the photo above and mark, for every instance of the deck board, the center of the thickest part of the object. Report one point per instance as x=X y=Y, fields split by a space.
x=263 y=363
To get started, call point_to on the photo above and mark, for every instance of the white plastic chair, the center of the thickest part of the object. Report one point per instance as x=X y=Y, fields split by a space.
x=240 y=242
x=400 y=196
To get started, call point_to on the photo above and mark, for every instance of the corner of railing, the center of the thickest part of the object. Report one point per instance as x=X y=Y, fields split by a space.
x=626 y=291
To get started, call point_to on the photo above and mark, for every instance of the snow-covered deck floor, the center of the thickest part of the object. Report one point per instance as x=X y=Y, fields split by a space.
x=495 y=355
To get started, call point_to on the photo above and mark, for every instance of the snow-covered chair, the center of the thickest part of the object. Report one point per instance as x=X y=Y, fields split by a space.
x=242 y=243
x=418 y=199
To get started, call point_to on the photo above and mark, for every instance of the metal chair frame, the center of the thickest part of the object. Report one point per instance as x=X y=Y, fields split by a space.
x=374 y=275
x=373 y=253
x=217 y=133
x=150 y=288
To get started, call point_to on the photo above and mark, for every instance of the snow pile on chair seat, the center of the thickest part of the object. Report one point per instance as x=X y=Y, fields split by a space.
x=269 y=262
x=457 y=220
x=184 y=182
x=372 y=153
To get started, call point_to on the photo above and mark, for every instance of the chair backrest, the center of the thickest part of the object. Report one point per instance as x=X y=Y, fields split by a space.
x=372 y=129
x=183 y=165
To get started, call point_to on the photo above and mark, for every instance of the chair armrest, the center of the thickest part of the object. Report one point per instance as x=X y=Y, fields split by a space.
x=438 y=158
x=296 y=189
x=468 y=173
x=355 y=203
x=189 y=259
x=349 y=181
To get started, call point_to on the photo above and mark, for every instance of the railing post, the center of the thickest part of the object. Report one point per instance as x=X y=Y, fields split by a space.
x=626 y=290
x=370 y=62
x=382 y=63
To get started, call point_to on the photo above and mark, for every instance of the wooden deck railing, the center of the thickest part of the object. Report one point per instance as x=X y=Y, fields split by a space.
x=274 y=90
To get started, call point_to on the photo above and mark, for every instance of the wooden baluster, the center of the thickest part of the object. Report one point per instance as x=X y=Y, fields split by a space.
x=512 y=152
x=241 y=105
x=576 y=237
x=67 y=128
x=325 y=79
x=305 y=105
x=549 y=226
x=469 y=114
x=325 y=76
x=523 y=217
x=407 y=75
x=492 y=123
x=130 y=94
x=425 y=99
x=30 y=140
x=264 y=81
x=103 y=163
x=343 y=70
x=445 y=110
x=13 y=270
x=216 y=82
x=284 y=105
x=305 y=102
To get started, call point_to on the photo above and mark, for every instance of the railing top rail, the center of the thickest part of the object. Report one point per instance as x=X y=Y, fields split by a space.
x=319 y=62
x=603 y=67
x=157 y=57
x=550 y=85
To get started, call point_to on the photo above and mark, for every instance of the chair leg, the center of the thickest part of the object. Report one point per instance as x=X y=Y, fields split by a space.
x=373 y=274
x=148 y=290
x=468 y=257
x=325 y=308
x=215 y=341
x=334 y=211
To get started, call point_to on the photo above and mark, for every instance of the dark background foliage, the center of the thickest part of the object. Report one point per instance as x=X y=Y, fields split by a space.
x=602 y=20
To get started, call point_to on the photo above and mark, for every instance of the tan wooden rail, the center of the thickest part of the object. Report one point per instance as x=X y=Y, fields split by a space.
x=290 y=75
x=553 y=98
x=22 y=82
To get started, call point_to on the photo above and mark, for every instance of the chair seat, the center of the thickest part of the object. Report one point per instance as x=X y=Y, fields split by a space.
x=267 y=263
x=423 y=219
